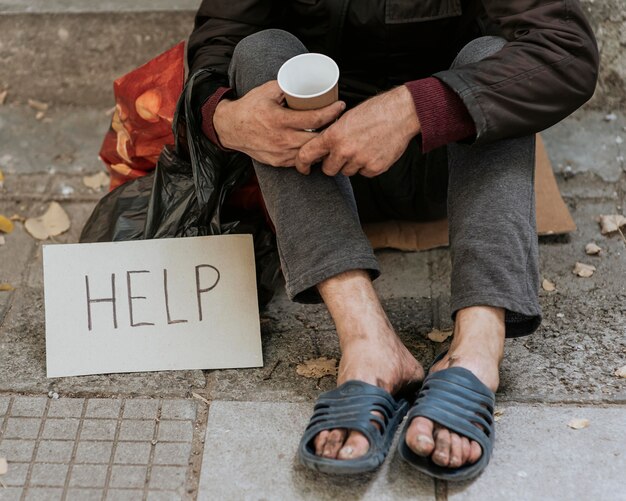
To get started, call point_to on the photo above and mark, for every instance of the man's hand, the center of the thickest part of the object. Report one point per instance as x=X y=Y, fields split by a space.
x=367 y=139
x=259 y=126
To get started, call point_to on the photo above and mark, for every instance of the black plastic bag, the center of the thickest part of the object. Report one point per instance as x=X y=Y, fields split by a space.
x=184 y=196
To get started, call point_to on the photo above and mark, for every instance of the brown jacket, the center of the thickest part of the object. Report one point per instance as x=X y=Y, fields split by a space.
x=547 y=69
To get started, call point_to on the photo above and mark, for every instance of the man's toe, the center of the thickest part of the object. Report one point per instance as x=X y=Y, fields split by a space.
x=419 y=436
x=354 y=447
x=320 y=442
x=475 y=452
x=334 y=442
x=441 y=456
x=456 y=451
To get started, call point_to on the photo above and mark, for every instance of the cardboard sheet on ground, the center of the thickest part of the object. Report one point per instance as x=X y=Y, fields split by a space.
x=184 y=303
x=553 y=217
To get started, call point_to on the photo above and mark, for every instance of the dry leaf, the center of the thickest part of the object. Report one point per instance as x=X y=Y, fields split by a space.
x=592 y=249
x=6 y=226
x=439 y=336
x=97 y=181
x=200 y=397
x=497 y=415
x=54 y=222
x=621 y=372
x=583 y=270
x=3 y=96
x=2 y=240
x=40 y=115
x=317 y=368
x=4 y=466
x=17 y=217
x=578 y=424
x=38 y=105
x=548 y=286
x=6 y=288
x=611 y=223
x=1 y=179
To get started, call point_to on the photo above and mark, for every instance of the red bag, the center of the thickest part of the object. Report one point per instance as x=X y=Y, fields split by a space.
x=142 y=123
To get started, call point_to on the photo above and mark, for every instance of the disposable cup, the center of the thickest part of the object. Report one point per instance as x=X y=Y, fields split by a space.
x=309 y=81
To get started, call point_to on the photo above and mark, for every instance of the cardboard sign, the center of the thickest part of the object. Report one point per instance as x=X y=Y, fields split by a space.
x=149 y=305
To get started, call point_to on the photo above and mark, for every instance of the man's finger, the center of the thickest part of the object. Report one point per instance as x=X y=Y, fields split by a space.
x=311 y=152
x=351 y=168
x=272 y=91
x=333 y=164
x=298 y=138
x=312 y=119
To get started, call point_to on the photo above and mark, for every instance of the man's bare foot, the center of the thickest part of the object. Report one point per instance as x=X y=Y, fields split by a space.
x=477 y=345
x=371 y=352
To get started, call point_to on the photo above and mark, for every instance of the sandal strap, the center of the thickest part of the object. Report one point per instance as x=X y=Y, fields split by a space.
x=456 y=399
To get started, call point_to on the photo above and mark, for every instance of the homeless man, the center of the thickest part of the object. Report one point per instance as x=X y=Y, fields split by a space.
x=439 y=104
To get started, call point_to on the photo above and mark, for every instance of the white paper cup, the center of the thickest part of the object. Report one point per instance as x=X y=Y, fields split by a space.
x=309 y=81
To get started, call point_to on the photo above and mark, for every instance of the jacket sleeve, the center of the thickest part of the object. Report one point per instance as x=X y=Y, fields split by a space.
x=218 y=28
x=547 y=69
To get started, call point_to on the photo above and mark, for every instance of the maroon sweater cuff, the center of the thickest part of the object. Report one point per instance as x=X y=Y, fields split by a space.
x=443 y=116
x=208 y=110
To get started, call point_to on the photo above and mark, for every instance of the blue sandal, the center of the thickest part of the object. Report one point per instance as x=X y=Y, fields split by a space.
x=350 y=406
x=456 y=399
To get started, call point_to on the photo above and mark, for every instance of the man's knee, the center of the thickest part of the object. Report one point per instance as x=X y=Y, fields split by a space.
x=478 y=49
x=258 y=57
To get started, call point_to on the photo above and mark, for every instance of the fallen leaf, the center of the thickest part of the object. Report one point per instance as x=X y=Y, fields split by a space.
x=3 y=96
x=1 y=179
x=6 y=288
x=38 y=105
x=592 y=249
x=497 y=415
x=548 y=286
x=40 y=115
x=439 y=336
x=611 y=223
x=54 y=222
x=2 y=240
x=621 y=372
x=578 y=424
x=583 y=270
x=96 y=181
x=6 y=226
x=4 y=466
x=317 y=368
x=17 y=217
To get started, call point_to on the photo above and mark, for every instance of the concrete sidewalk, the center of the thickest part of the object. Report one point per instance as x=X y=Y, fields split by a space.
x=146 y=436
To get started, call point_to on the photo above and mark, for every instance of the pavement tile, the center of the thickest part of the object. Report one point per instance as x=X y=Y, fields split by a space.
x=54 y=451
x=124 y=495
x=98 y=429
x=178 y=409
x=277 y=428
x=28 y=406
x=15 y=475
x=168 y=477
x=17 y=450
x=94 y=452
x=4 y=405
x=66 y=407
x=172 y=453
x=11 y=494
x=84 y=495
x=132 y=453
x=137 y=430
x=141 y=408
x=48 y=475
x=44 y=494
x=65 y=428
x=163 y=496
x=22 y=428
x=537 y=456
x=128 y=476
x=103 y=408
x=175 y=431
x=88 y=475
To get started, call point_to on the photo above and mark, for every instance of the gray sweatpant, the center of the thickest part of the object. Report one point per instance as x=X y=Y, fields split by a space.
x=490 y=204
